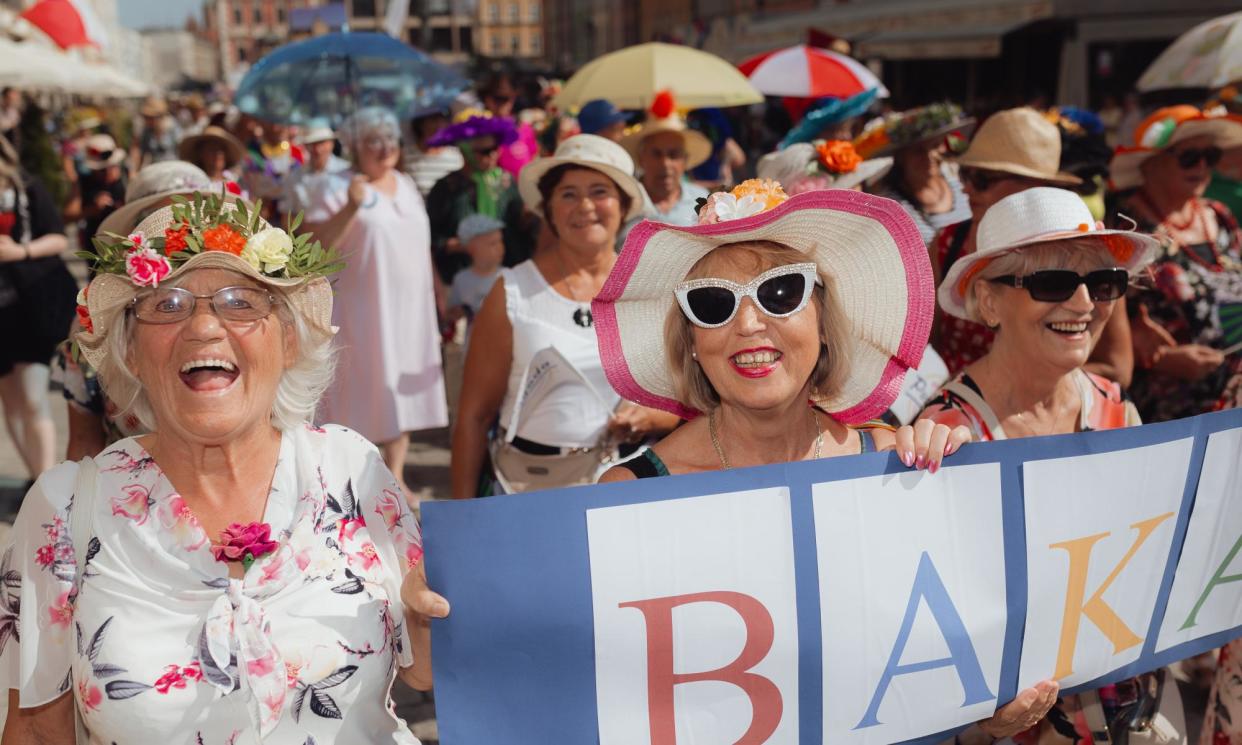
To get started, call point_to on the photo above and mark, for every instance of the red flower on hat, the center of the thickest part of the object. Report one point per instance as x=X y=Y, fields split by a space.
x=146 y=268
x=174 y=239
x=223 y=238
x=84 y=320
x=838 y=156
x=664 y=105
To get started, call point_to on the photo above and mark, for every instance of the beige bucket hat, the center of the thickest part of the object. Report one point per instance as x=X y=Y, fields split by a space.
x=589 y=151
x=1018 y=141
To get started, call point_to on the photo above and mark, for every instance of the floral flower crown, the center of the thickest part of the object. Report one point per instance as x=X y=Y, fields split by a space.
x=747 y=199
x=209 y=223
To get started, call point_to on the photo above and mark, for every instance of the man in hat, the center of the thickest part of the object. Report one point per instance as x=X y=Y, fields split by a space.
x=100 y=190
x=323 y=172
x=601 y=117
x=663 y=147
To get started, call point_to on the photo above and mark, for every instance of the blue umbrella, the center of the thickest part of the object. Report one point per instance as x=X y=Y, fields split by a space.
x=333 y=75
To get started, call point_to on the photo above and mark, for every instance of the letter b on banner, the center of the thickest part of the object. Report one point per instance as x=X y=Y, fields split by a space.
x=765 y=697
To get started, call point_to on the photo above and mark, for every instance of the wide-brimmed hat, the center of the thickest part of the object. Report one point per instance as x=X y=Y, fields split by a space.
x=110 y=293
x=589 y=151
x=1019 y=141
x=828 y=112
x=317 y=131
x=153 y=183
x=1032 y=217
x=153 y=107
x=234 y=151
x=101 y=151
x=1163 y=129
x=476 y=126
x=698 y=147
x=896 y=131
x=803 y=166
x=867 y=244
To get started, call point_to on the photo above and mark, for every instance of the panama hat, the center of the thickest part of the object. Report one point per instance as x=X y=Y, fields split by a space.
x=867 y=244
x=1035 y=216
x=799 y=166
x=101 y=151
x=698 y=147
x=153 y=183
x=1163 y=129
x=109 y=294
x=1019 y=141
x=234 y=151
x=589 y=151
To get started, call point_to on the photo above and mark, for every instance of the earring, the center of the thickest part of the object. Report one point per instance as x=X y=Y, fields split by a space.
x=694 y=355
x=992 y=325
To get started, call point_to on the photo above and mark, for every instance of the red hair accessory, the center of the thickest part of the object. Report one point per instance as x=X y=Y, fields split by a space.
x=664 y=105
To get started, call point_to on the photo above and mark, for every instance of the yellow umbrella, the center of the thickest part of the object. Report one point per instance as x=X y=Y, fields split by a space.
x=630 y=78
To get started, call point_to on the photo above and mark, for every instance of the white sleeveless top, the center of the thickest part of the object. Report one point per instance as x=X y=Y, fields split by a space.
x=543 y=318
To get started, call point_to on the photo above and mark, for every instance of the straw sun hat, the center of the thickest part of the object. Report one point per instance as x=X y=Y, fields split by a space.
x=802 y=164
x=589 y=151
x=101 y=151
x=867 y=244
x=1165 y=128
x=1018 y=141
x=302 y=278
x=153 y=183
x=663 y=117
x=1032 y=217
x=234 y=151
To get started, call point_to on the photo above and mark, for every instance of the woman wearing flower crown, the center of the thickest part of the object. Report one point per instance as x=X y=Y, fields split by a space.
x=773 y=344
x=240 y=575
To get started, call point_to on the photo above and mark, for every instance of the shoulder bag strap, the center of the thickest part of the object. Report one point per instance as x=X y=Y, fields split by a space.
x=976 y=402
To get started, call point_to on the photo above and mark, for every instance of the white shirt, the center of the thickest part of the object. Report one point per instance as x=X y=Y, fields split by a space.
x=310 y=192
x=164 y=648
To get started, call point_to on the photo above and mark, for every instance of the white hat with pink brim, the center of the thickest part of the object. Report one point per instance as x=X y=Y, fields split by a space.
x=867 y=244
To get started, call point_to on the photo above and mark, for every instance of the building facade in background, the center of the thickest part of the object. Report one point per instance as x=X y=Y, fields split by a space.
x=577 y=31
x=512 y=29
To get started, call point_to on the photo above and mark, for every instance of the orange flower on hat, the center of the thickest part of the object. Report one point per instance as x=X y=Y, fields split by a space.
x=838 y=156
x=223 y=238
x=766 y=191
x=872 y=141
x=174 y=239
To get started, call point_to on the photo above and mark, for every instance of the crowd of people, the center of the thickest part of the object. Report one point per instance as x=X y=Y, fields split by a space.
x=640 y=294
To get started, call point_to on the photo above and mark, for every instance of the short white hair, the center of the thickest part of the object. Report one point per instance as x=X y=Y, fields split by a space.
x=301 y=385
x=1080 y=255
x=371 y=121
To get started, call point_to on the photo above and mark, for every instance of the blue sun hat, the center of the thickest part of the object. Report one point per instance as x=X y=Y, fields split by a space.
x=829 y=112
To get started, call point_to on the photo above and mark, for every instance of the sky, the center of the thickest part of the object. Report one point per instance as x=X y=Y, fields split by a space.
x=156 y=13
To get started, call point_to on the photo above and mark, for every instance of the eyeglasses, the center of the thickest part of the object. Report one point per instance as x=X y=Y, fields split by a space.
x=380 y=144
x=174 y=304
x=1059 y=285
x=980 y=180
x=1190 y=157
x=779 y=292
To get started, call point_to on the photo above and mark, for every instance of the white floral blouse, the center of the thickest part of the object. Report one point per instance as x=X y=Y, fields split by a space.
x=162 y=646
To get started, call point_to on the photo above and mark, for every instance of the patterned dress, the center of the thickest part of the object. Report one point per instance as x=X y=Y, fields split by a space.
x=158 y=644
x=958 y=342
x=1194 y=292
x=1223 y=723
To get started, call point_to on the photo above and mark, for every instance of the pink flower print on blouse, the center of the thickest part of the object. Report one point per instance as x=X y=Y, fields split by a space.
x=365 y=558
x=60 y=610
x=181 y=524
x=45 y=555
x=413 y=554
x=262 y=666
x=89 y=695
x=134 y=502
x=176 y=676
x=388 y=506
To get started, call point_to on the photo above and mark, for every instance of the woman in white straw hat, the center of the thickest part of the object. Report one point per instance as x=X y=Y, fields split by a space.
x=1187 y=323
x=1046 y=278
x=218 y=573
x=769 y=327
x=822 y=164
x=585 y=191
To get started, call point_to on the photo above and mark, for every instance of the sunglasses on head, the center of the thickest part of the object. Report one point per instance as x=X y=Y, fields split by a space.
x=780 y=292
x=1059 y=285
x=1190 y=157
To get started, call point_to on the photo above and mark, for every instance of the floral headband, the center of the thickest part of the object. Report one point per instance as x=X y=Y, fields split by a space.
x=209 y=223
x=747 y=199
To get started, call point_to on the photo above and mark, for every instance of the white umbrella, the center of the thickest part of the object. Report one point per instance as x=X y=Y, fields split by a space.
x=1207 y=56
x=33 y=67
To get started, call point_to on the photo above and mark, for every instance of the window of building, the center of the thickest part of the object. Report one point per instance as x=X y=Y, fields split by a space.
x=258 y=15
x=493 y=11
x=364 y=8
x=533 y=12
x=513 y=13
x=467 y=39
x=280 y=14
x=536 y=42
x=441 y=39
x=515 y=44
x=237 y=15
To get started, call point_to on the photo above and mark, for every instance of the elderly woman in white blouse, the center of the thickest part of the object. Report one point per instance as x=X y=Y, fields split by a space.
x=238 y=576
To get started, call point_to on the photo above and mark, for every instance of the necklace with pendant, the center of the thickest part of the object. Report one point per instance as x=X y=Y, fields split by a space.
x=582 y=315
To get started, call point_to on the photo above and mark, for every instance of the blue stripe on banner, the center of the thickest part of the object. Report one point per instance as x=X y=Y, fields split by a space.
x=515 y=662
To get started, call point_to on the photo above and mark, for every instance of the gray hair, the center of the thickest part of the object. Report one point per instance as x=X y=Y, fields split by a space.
x=1077 y=254
x=301 y=385
x=371 y=121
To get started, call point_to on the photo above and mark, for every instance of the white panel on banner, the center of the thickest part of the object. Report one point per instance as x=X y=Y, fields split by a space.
x=1098 y=532
x=1207 y=589
x=913 y=612
x=696 y=636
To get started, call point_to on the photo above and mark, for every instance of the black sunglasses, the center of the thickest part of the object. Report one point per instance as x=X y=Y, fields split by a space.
x=1059 y=285
x=1190 y=157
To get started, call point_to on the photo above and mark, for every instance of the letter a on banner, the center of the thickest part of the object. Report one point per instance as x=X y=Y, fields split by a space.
x=1219 y=578
x=765 y=697
x=930 y=588
x=1095 y=609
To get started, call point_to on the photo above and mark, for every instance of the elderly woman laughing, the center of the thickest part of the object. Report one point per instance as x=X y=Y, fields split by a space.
x=237 y=576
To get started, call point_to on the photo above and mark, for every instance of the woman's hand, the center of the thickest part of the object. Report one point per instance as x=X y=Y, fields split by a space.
x=1192 y=362
x=1024 y=712
x=924 y=444
x=357 y=190
x=633 y=423
x=421 y=605
x=11 y=250
x=1149 y=338
x=419 y=599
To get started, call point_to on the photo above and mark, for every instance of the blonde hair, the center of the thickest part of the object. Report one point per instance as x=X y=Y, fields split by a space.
x=1077 y=254
x=301 y=385
x=832 y=366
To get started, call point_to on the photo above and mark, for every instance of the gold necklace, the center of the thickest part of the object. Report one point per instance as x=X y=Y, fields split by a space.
x=724 y=460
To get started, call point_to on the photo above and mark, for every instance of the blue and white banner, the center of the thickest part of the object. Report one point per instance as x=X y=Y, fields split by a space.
x=848 y=600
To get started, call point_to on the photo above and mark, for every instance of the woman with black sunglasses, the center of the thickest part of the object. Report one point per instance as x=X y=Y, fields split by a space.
x=1188 y=323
